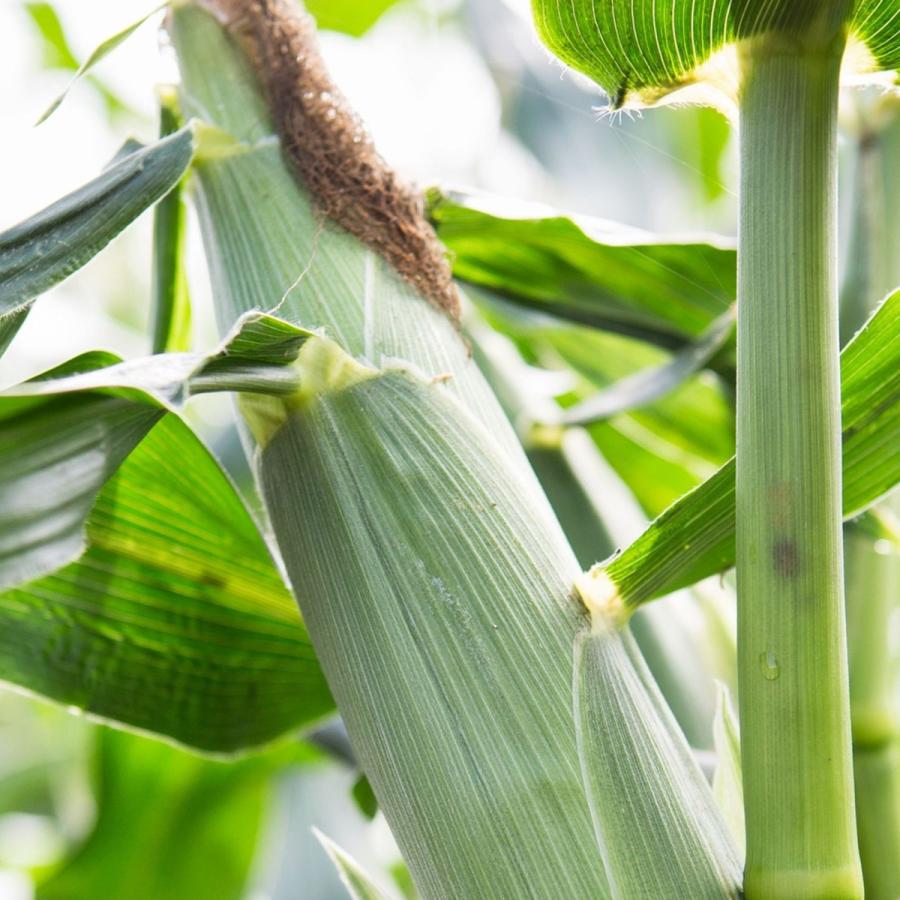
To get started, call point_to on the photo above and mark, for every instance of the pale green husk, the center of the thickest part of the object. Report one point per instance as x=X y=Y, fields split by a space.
x=430 y=569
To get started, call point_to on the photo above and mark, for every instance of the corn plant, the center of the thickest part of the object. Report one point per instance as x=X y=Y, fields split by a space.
x=528 y=721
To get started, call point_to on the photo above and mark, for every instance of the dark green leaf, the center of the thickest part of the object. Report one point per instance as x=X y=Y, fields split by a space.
x=147 y=596
x=694 y=538
x=364 y=797
x=174 y=618
x=661 y=290
x=48 y=247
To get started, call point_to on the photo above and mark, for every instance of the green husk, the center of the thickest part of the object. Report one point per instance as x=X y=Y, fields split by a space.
x=432 y=574
x=675 y=816
x=598 y=514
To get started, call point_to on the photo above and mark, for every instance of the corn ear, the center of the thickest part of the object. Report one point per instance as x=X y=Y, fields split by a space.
x=431 y=571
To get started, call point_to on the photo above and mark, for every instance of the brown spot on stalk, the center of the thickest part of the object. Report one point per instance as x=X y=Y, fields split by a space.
x=785 y=558
x=328 y=147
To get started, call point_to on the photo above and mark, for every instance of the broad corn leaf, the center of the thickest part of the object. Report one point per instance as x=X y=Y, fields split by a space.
x=694 y=538
x=640 y=51
x=145 y=582
x=666 y=290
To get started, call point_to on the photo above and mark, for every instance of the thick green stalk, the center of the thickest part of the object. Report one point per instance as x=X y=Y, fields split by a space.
x=795 y=720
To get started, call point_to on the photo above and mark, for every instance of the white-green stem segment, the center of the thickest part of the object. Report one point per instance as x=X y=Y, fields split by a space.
x=795 y=720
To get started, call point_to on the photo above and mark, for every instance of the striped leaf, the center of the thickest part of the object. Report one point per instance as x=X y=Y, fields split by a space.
x=694 y=538
x=640 y=51
x=663 y=289
x=142 y=591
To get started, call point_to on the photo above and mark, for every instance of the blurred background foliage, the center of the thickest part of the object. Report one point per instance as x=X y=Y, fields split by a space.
x=457 y=93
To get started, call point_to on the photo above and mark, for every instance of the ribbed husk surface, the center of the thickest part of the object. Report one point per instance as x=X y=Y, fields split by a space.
x=433 y=577
x=439 y=597
x=616 y=703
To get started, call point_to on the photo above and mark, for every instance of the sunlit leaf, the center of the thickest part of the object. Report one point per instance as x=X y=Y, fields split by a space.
x=695 y=537
x=354 y=17
x=639 y=51
x=97 y=55
x=57 y=54
x=665 y=290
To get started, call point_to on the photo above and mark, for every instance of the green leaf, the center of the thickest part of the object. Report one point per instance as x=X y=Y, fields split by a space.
x=56 y=51
x=661 y=451
x=171 y=312
x=170 y=825
x=694 y=538
x=359 y=884
x=66 y=432
x=667 y=839
x=148 y=596
x=174 y=618
x=43 y=250
x=354 y=17
x=666 y=291
x=876 y=23
x=648 y=385
x=640 y=51
x=97 y=55
x=57 y=54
